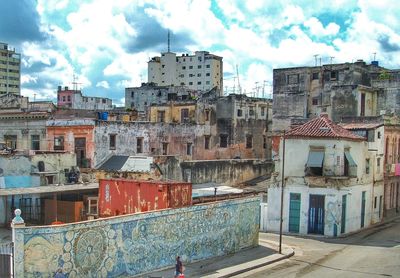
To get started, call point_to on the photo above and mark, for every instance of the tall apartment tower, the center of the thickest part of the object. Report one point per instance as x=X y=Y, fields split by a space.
x=10 y=70
x=202 y=71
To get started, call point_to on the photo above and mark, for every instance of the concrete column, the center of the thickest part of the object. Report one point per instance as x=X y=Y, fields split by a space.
x=18 y=242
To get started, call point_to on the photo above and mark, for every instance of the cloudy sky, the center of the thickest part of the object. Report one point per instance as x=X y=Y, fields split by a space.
x=107 y=44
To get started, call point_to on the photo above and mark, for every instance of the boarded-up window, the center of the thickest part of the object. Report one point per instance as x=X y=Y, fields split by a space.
x=293 y=79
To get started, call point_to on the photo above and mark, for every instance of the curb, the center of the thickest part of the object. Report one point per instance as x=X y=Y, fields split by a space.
x=283 y=257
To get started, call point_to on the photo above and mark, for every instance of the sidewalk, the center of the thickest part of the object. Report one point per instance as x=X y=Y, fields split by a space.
x=230 y=265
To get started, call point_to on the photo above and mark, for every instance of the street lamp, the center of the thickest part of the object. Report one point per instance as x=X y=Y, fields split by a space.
x=282 y=185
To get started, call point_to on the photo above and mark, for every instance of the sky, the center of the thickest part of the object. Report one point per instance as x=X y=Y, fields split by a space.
x=106 y=44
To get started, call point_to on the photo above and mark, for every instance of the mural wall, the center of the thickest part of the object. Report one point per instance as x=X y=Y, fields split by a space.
x=134 y=244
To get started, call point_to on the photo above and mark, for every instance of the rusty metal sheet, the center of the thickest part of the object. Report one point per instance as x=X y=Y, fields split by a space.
x=123 y=196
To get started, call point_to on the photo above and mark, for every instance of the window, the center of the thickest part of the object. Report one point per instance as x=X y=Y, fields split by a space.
x=207 y=82
x=251 y=111
x=223 y=140
x=315 y=162
x=11 y=141
x=163 y=66
x=249 y=141
x=315 y=101
x=103 y=100
x=183 y=67
x=264 y=142
x=367 y=166
x=198 y=82
x=207 y=74
x=164 y=148
x=113 y=142
x=92 y=206
x=189 y=149
x=239 y=112
x=334 y=75
x=190 y=67
x=199 y=66
x=35 y=142
x=160 y=116
x=190 y=83
x=208 y=66
x=262 y=111
x=199 y=75
x=184 y=115
x=63 y=98
x=292 y=79
x=375 y=201
x=59 y=143
x=207 y=142
x=191 y=74
x=379 y=135
x=371 y=135
x=139 y=145
x=69 y=98
x=315 y=75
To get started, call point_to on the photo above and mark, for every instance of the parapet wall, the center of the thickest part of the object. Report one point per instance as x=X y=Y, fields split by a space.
x=134 y=244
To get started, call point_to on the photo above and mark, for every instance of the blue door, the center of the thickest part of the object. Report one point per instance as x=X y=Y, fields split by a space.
x=294 y=212
x=316 y=214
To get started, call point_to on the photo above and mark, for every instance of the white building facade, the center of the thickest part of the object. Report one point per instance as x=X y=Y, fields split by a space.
x=329 y=185
x=202 y=71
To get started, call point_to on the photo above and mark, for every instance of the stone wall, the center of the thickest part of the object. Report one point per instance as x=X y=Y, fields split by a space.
x=129 y=245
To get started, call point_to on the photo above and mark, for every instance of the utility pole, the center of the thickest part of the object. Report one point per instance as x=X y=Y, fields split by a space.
x=315 y=58
x=282 y=186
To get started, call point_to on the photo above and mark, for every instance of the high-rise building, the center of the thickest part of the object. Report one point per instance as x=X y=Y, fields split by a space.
x=201 y=72
x=10 y=70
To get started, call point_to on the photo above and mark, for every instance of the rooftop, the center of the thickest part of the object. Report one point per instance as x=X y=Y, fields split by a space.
x=322 y=127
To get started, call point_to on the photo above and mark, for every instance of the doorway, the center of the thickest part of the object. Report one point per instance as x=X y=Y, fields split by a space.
x=294 y=212
x=316 y=214
x=80 y=151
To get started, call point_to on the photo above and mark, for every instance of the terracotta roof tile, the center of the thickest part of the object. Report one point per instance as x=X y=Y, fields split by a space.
x=322 y=127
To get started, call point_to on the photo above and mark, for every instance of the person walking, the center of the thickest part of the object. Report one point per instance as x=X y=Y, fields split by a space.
x=178 y=268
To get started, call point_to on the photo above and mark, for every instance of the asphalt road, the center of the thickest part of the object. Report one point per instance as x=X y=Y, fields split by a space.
x=373 y=252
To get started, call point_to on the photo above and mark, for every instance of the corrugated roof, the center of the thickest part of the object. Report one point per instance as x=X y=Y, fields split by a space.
x=322 y=127
x=360 y=125
x=114 y=163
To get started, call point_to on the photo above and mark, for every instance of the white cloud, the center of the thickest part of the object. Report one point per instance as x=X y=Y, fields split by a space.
x=317 y=29
x=103 y=84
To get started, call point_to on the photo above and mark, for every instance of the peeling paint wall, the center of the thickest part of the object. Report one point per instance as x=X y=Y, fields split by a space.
x=139 y=243
x=336 y=89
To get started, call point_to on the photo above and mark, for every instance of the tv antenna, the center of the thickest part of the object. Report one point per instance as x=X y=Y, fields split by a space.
x=315 y=57
x=75 y=83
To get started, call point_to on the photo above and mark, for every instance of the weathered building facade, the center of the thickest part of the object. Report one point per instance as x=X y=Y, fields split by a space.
x=73 y=99
x=349 y=89
x=329 y=188
x=23 y=123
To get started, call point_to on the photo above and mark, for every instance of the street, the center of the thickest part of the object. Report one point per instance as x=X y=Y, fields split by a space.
x=374 y=252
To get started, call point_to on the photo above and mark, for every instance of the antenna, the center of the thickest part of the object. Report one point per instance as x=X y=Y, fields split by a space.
x=332 y=59
x=374 y=56
x=169 y=43
x=315 y=57
x=320 y=61
x=75 y=83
